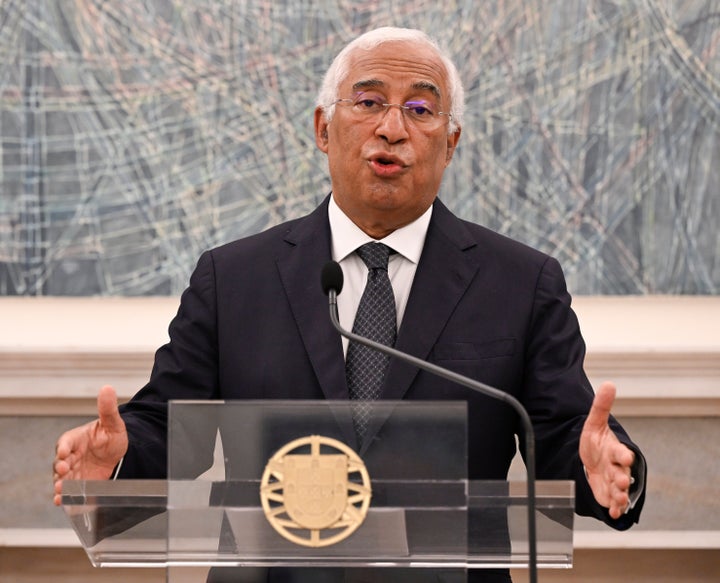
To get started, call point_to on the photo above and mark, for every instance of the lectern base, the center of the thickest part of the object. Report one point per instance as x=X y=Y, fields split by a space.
x=353 y=575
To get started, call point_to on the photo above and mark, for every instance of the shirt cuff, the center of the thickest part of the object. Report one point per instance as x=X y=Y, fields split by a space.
x=637 y=487
x=116 y=471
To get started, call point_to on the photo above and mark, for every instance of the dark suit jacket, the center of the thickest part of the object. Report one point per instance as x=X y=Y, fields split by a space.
x=253 y=324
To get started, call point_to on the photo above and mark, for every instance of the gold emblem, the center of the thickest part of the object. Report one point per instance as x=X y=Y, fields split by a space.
x=315 y=499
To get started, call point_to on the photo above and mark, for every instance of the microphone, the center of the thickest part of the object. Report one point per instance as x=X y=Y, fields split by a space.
x=331 y=280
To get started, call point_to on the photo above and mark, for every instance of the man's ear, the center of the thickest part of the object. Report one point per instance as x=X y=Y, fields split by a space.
x=452 y=142
x=321 y=129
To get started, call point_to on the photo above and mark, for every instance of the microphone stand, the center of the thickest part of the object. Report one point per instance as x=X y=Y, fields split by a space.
x=476 y=386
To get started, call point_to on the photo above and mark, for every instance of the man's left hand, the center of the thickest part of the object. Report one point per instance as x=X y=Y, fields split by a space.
x=607 y=461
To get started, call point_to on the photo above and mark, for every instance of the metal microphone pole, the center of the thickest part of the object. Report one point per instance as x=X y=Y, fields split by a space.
x=479 y=387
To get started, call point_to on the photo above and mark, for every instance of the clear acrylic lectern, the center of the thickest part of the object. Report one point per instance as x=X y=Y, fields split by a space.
x=285 y=484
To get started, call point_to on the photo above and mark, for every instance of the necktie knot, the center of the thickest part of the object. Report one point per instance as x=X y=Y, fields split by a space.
x=375 y=255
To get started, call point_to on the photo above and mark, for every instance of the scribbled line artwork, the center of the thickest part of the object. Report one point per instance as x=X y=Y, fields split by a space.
x=135 y=134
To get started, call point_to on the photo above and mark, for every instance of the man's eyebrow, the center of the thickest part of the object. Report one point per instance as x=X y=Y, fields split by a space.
x=366 y=84
x=427 y=86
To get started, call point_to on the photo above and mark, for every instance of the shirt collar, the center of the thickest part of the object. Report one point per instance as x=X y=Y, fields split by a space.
x=346 y=236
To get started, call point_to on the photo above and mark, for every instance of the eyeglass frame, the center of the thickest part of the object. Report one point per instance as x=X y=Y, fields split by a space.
x=403 y=107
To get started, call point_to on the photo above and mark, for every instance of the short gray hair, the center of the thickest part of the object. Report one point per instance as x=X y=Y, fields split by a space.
x=339 y=69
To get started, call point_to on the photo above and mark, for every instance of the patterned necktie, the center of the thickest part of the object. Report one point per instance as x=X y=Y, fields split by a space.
x=375 y=319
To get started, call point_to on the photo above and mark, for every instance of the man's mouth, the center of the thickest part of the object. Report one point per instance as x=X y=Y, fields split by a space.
x=387 y=159
x=386 y=165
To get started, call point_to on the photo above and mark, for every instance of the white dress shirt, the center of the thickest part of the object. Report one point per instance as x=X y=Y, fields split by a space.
x=346 y=236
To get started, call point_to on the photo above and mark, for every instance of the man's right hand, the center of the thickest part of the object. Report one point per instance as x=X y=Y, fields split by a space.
x=91 y=451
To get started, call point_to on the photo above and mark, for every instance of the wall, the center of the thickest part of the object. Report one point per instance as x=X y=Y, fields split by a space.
x=135 y=134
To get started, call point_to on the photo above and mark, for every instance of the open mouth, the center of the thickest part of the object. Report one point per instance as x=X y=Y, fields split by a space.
x=387 y=160
x=387 y=167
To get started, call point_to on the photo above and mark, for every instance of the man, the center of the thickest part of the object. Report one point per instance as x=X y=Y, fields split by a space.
x=253 y=322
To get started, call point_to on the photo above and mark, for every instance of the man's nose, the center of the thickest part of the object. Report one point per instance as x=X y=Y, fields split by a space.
x=392 y=125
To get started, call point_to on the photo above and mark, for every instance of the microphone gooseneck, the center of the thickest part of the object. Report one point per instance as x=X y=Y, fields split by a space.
x=332 y=283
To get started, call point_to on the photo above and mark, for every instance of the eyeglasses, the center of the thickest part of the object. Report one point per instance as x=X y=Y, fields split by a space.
x=422 y=113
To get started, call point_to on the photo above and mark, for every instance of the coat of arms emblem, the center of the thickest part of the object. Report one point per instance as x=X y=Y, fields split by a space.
x=319 y=498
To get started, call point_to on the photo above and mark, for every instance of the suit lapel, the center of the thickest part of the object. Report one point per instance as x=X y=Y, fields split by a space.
x=442 y=277
x=308 y=249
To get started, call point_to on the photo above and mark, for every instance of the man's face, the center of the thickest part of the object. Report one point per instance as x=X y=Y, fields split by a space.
x=385 y=169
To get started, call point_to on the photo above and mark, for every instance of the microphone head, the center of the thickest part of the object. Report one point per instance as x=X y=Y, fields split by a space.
x=331 y=277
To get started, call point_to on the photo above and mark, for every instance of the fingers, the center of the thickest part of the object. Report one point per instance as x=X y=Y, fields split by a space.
x=602 y=404
x=623 y=456
x=60 y=470
x=64 y=445
x=62 y=463
x=619 y=480
x=108 y=412
x=57 y=492
x=64 y=448
x=620 y=495
x=619 y=505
